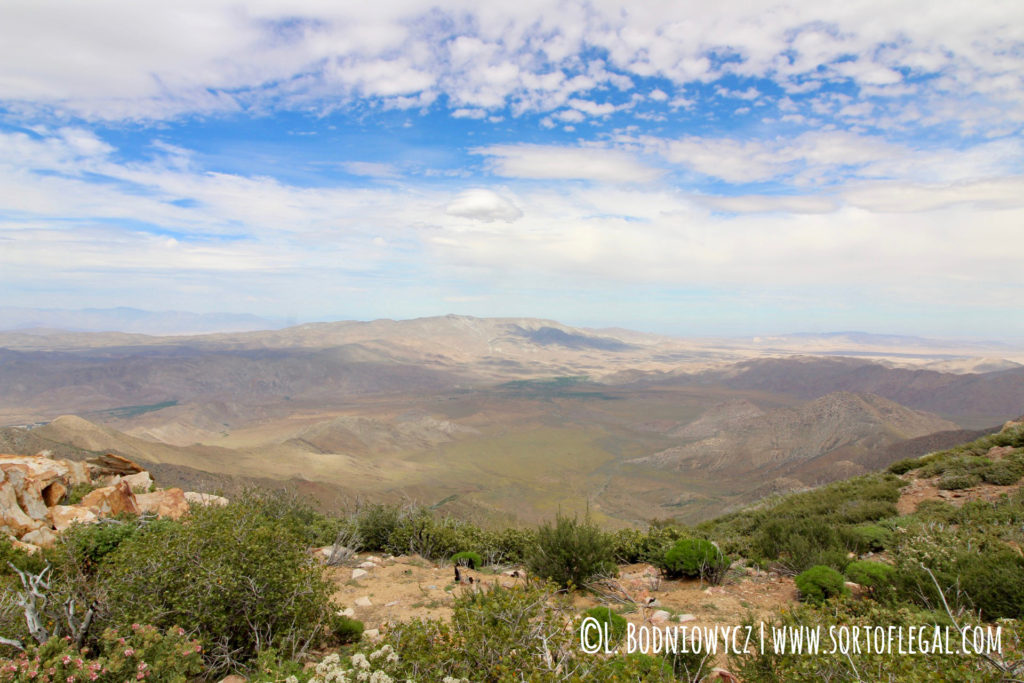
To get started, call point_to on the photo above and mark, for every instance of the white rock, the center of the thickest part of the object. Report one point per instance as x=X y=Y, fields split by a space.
x=660 y=616
x=347 y=612
x=685 y=618
x=367 y=565
x=363 y=602
x=371 y=633
x=205 y=498
x=358 y=573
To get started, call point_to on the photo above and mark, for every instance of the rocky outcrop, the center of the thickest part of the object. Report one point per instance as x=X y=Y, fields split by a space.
x=167 y=503
x=33 y=489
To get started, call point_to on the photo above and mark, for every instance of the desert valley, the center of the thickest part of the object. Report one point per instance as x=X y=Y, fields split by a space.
x=504 y=421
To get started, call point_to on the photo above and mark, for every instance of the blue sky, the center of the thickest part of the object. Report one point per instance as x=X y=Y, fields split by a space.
x=738 y=169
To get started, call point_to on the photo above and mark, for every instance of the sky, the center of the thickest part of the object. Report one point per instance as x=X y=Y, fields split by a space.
x=733 y=168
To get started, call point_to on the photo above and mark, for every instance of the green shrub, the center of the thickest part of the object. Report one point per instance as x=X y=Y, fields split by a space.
x=632 y=545
x=819 y=583
x=873 y=575
x=419 y=532
x=510 y=545
x=868 y=538
x=953 y=481
x=693 y=558
x=612 y=623
x=994 y=583
x=241 y=579
x=375 y=524
x=798 y=544
x=571 y=551
x=467 y=559
x=904 y=466
x=1003 y=473
x=344 y=629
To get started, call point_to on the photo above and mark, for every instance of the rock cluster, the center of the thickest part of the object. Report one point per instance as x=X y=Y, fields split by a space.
x=32 y=488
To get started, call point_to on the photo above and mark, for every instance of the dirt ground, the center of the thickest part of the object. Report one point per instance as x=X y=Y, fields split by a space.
x=403 y=588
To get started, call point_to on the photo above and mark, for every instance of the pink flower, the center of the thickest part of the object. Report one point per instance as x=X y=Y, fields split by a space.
x=129 y=652
x=93 y=676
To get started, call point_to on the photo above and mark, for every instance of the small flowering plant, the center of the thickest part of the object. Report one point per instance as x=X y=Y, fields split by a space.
x=142 y=654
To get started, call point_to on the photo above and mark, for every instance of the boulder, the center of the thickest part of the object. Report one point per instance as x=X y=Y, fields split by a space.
x=65 y=515
x=111 y=500
x=205 y=498
x=140 y=482
x=660 y=616
x=167 y=503
x=363 y=602
x=42 y=537
x=111 y=465
x=11 y=515
x=78 y=472
x=358 y=574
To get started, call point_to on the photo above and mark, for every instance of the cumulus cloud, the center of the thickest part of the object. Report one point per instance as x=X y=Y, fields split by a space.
x=483 y=205
x=153 y=62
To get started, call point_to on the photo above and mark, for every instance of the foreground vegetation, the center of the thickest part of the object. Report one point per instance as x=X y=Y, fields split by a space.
x=235 y=588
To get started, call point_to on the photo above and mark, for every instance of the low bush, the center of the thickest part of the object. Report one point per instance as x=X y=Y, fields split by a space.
x=571 y=551
x=611 y=623
x=904 y=466
x=954 y=481
x=820 y=583
x=694 y=558
x=873 y=575
x=867 y=538
x=1003 y=472
x=467 y=559
x=344 y=630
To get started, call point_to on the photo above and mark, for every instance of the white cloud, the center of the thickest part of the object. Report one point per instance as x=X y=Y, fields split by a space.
x=567 y=163
x=135 y=61
x=483 y=205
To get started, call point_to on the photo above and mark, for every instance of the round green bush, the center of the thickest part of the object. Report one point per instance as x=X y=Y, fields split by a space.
x=614 y=623
x=1003 y=473
x=874 y=575
x=819 y=583
x=694 y=557
x=467 y=559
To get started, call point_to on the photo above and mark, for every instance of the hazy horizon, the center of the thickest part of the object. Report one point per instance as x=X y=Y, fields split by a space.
x=182 y=323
